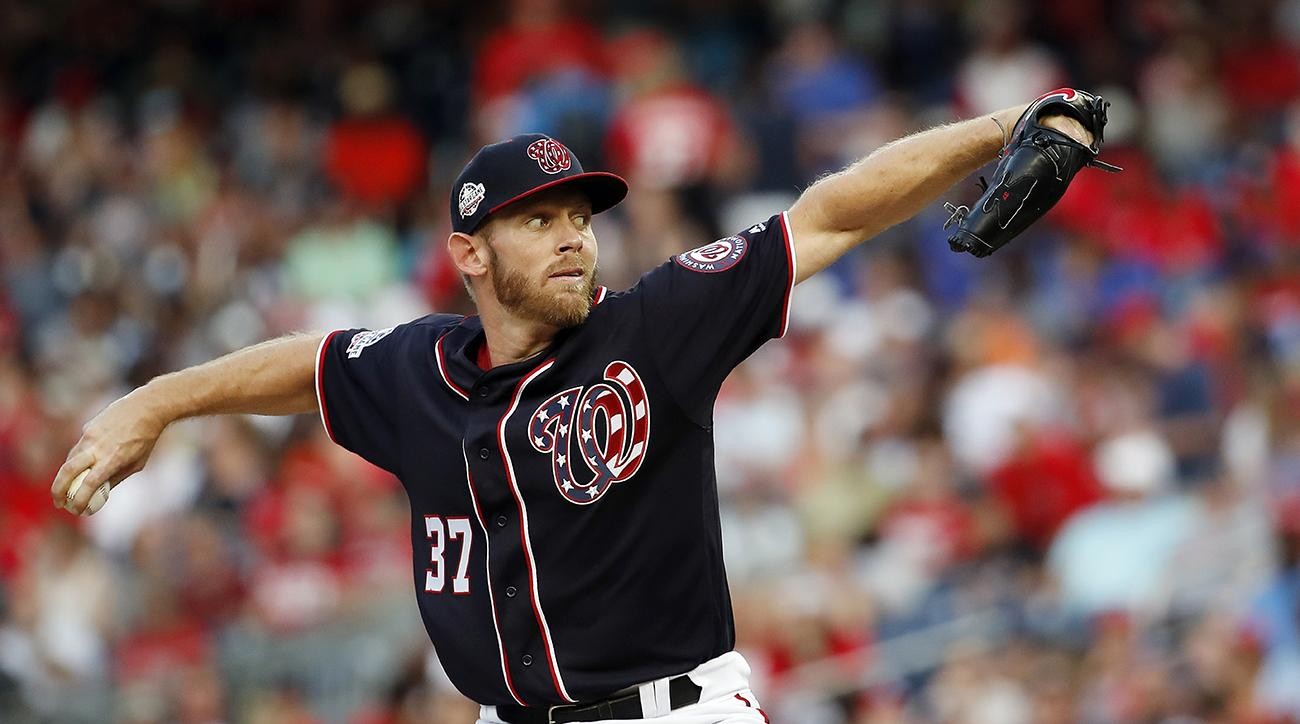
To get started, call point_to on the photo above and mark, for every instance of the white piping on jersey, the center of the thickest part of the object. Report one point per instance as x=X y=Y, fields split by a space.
x=487 y=557
x=600 y=294
x=442 y=369
x=794 y=271
x=523 y=523
x=320 y=391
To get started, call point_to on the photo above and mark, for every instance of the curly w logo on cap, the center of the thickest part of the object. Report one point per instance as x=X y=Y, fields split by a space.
x=550 y=154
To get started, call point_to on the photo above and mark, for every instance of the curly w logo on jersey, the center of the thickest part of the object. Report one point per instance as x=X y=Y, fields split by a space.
x=611 y=421
x=550 y=154
x=721 y=255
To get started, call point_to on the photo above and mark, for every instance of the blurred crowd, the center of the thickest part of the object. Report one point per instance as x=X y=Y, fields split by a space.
x=1061 y=484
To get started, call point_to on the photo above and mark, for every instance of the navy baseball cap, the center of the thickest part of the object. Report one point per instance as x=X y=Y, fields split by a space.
x=503 y=173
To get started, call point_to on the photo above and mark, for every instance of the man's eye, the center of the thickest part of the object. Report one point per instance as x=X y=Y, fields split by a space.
x=536 y=223
x=582 y=221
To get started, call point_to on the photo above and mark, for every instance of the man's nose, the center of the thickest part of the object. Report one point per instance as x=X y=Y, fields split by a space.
x=571 y=240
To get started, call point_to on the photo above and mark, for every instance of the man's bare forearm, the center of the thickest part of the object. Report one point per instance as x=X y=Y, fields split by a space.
x=272 y=378
x=891 y=185
x=906 y=175
x=276 y=377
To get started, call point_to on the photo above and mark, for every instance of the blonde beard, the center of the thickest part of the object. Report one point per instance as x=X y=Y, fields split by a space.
x=520 y=296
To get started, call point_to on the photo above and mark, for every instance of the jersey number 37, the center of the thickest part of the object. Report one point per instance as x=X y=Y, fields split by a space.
x=439 y=533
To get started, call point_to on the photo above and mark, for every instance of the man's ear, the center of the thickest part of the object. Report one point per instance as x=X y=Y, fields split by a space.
x=469 y=253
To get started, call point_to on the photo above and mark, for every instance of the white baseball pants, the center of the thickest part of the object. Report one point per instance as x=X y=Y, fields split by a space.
x=725 y=698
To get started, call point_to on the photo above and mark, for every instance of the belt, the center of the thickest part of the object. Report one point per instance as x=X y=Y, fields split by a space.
x=681 y=692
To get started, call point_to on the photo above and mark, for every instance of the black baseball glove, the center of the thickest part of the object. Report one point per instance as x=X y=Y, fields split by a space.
x=1035 y=167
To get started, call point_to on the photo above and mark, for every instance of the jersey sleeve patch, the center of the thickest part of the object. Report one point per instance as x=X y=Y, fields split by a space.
x=362 y=340
x=718 y=256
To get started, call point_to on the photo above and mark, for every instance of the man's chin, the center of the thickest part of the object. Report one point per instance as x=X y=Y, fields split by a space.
x=567 y=308
x=569 y=312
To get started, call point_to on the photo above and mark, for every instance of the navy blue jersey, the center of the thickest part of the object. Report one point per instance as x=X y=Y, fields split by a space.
x=564 y=508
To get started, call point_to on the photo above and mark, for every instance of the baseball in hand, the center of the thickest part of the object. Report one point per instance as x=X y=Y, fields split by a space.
x=97 y=500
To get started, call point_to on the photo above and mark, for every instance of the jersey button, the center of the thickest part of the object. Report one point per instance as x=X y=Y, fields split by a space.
x=501 y=521
x=482 y=392
x=527 y=659
x=511 y=591
x=483 y=453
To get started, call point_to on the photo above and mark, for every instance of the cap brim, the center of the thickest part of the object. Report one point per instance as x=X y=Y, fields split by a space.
x=604 y=189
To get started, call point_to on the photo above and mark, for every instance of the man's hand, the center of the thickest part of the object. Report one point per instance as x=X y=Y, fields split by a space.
x=899 y=179
x=115 y=444
x=1070 y=126
x=1056 y=136
x=276 y=377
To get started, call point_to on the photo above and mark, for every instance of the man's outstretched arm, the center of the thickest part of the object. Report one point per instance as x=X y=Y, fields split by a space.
x=896 y=182
x=272 y=378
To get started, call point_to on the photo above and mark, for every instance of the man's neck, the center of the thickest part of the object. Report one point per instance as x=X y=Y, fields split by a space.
x=511 y=339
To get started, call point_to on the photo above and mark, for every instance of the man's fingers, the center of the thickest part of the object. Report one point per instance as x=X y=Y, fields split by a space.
x=74 y=490
x=98 y=499
x=94 y=496
x=95 y=476
x=76 y=462
x=79 y=481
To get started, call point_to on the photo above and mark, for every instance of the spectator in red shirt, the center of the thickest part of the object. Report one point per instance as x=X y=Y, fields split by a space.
x=373 y=155
x=537 y=40
x=670 y=133
x=1046 y=480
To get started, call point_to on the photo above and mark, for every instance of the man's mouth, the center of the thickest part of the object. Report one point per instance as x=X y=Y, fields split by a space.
x=573 y=273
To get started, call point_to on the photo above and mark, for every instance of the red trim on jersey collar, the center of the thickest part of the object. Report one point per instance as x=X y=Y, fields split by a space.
x=440 y=356
x=456 y=355
x=483 y=358
x=458 y=352
x=600 y=295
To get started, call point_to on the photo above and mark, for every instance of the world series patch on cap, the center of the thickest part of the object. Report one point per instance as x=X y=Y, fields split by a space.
x=503 y=173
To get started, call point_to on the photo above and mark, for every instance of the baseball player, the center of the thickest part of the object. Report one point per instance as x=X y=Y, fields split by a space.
x=557 y=447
